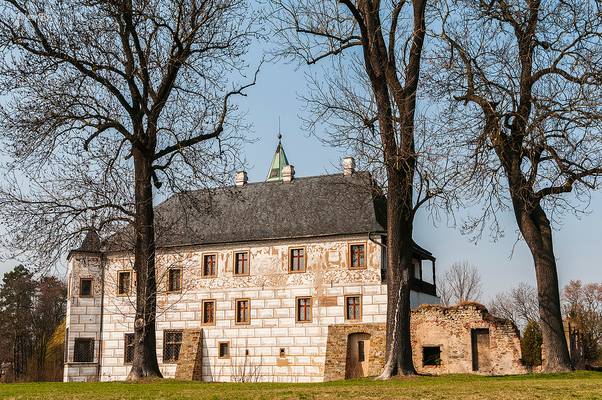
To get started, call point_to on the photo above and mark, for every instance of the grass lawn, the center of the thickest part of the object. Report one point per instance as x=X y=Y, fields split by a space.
x=578 y=385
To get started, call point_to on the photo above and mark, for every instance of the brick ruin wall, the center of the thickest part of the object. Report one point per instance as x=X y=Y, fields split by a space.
x=449 y=328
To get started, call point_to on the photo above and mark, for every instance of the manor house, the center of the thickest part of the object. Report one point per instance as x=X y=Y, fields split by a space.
x=281 y=280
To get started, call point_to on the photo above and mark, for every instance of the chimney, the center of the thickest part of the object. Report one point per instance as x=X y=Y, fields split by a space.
x=241 y=178
x=288 y=173
x=348 y=166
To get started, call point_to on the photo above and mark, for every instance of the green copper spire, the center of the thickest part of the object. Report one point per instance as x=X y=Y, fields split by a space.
x=278 y=163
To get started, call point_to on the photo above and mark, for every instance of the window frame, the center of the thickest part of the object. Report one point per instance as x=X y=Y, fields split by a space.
x=236 y=321
x=75 y=353
x=360 y=303
x=350 y=256
x=169 y=270
x=219 y=350
x=214 y=275
x=311 y=309
x=126 y=344
x=235 y=262
x=165 y=343
x=290 y=259
x=86 y=296
x=129 y=289
x=203 y=302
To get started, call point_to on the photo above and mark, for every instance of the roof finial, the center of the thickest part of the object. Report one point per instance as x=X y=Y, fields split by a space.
x=279 y=132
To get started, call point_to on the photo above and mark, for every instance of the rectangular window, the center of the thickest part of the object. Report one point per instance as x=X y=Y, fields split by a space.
x=282 y=352
x=124 y=281
x=175 y=280
x=353 y=307
x=357 y=256
x=172 y=342
x=241 y=263
x=209 y=265
x=431 y=355
x=304 y=309
x=128 y=348
x=83 y=350
x=224 y=350
x=243 y=311
x=85 y=287
x=417 y=269
x=208 y=312
x=361 y=355
x=296 y=260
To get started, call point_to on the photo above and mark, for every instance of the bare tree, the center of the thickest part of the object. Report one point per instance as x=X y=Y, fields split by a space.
x=367 y=100
x=461 y=282
x=525 y=103
x=518 y=305
x=106 y=99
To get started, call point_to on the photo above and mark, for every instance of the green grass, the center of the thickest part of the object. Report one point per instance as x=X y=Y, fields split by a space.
x=577 y=385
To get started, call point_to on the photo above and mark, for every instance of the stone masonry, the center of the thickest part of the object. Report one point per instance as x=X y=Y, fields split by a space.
x=448 y=328
x=190 y=364
x=452 y=328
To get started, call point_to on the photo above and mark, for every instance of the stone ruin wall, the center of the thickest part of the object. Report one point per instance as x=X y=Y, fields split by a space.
x=433 y=325
x=451 y=327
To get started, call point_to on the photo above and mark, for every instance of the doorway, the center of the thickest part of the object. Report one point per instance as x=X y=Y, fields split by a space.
x=481 y=353
x=358 y=355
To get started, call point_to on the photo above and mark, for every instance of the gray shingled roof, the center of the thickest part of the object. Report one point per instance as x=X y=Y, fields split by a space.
x=306 y=207
x=316 y=206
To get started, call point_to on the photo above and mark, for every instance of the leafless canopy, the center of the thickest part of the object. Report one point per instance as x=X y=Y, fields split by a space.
x=523 y=80
x=518 y=305
x=461 y=282
x=523 y=76
x=341 y=107
x=88 y=83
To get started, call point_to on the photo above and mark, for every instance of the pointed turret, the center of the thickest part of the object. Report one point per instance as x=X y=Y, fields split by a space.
x=278 y=163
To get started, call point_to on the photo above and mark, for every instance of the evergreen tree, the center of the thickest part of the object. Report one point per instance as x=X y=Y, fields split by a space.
x=530 y=345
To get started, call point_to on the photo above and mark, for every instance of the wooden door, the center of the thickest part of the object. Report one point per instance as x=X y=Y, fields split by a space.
x=481 y=353
x=358 y=355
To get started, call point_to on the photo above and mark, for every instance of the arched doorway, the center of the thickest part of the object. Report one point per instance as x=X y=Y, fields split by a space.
x=358 y=355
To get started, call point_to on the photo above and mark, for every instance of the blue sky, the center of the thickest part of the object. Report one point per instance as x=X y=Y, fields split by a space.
x=578 y=243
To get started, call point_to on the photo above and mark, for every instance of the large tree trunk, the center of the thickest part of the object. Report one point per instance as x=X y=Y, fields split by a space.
x=144 y=364
x=399 y=260
x=535 y=228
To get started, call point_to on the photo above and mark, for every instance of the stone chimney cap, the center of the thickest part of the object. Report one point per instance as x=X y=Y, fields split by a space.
x=241 y=178
x=288 y=173
x=348 y=166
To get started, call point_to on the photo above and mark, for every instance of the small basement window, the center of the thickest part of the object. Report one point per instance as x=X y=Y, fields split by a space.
x=431 y=355
x=83 y=350
x=282 y=352
x=224 y=350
